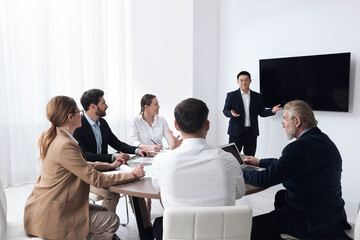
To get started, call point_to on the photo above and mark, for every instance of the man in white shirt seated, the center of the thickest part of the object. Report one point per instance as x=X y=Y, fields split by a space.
x=195 y=174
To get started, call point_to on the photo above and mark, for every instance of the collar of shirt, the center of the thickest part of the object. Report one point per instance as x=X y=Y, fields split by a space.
x=193 y=141
x=302 y=133
x=69 y=135
x=153 y=124
x=91 y=122
x=248 y=94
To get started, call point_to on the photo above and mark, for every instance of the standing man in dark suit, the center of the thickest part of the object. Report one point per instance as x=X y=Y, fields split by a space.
x=311 y=207
x=243 y=107
x=95 y=135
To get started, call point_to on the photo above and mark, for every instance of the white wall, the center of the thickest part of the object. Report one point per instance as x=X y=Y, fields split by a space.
x=174 y=55
x=253 y=30
x=162 y=50
x=205 y=57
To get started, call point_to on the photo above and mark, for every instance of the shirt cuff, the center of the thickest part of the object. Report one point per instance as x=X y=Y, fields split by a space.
x=136 y=150
x=112 y=157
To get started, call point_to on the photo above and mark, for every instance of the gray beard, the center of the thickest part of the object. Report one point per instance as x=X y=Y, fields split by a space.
x=291 y=134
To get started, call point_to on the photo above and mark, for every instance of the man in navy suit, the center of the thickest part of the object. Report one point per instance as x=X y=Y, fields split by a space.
x=310 y=168
x=243 y=107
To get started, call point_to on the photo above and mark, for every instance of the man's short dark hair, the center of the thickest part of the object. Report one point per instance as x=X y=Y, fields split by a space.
x=243 y=73
x=191 y=115
x=91 y=96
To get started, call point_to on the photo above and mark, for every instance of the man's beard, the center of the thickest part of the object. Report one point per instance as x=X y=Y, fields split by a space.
x=291 y=133
x=100 y=113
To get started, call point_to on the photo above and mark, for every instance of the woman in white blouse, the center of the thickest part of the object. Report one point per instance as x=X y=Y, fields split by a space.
x=148 y=128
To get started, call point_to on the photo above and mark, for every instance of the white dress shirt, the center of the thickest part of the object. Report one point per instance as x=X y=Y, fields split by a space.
x=196 y=174
x=246 y=101
x=142 y=132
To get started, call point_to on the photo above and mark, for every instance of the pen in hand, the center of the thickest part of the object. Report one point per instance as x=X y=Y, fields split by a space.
x=156 y=144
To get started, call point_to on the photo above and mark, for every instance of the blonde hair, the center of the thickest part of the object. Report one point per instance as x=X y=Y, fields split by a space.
x=57 y=111
x=301 y=109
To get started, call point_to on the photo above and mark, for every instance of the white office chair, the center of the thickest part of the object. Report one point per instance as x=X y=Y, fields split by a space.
x=17 y=231
x=354 y=232
x=95 y=198
x=3 y=207
x=230 y=222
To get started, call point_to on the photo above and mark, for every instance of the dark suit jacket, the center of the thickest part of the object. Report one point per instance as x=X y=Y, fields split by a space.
x=234 y=102
x=86 y=138
x=310 y=170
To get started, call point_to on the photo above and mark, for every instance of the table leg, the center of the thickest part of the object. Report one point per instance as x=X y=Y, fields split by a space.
x=145 y=234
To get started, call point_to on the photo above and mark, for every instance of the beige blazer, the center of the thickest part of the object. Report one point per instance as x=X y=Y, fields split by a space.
x=58 y=207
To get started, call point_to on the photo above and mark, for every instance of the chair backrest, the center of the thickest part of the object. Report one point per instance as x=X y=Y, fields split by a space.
x=3 y=210
x=230 y=222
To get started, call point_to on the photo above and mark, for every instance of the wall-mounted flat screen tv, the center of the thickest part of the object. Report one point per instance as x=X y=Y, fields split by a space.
x=320 y=80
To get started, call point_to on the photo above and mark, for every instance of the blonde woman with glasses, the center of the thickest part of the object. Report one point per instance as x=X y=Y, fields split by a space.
x=58 y=207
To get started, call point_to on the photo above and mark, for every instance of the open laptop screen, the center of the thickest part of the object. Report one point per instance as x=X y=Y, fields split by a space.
x=231 y=148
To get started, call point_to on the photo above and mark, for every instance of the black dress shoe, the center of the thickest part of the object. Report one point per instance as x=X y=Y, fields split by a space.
x=115 y=237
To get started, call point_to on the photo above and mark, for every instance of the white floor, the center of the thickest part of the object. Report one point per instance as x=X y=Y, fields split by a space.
x=260 y=202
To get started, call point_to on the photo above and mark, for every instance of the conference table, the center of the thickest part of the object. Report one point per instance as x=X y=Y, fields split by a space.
x=144 y=188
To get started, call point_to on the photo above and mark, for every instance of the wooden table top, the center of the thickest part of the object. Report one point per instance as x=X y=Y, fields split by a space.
x=144 y=188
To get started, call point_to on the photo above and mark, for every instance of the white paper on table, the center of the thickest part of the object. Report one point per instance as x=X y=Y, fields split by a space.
x=144 y=160
x=126 y=169
x=148 y=171
x=121 y=169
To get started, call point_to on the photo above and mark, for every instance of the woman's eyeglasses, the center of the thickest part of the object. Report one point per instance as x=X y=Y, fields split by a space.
x=80 y=111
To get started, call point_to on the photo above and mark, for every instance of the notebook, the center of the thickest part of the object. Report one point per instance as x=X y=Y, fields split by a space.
x=232 y=148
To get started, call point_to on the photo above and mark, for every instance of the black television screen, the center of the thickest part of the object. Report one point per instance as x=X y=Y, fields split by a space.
x=321 y=80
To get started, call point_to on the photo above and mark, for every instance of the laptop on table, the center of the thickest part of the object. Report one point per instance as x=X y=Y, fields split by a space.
x=232 y=148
